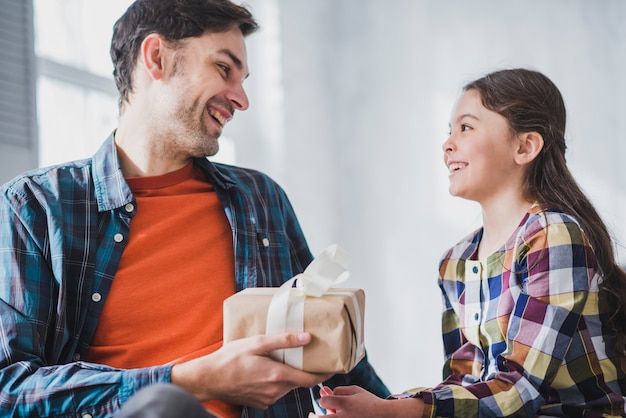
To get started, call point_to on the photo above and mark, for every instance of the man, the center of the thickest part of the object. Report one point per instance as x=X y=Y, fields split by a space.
x=113 y=269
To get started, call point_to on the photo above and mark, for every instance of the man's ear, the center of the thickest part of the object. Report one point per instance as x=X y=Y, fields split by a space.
x=153 y=55
x=530 y=145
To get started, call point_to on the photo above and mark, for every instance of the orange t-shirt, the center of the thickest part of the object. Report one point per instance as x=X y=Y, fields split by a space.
x=165 y=303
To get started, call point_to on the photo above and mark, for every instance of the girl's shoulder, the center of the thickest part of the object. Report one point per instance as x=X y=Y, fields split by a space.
x=543 y=216
x=546 y=226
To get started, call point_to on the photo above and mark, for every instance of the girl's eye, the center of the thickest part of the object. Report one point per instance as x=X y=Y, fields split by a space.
x=465 y=128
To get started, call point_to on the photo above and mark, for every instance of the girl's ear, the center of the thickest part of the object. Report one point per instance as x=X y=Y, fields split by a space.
x=530 y=145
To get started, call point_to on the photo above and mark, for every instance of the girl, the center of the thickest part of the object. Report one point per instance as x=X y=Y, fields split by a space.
x=534 y=319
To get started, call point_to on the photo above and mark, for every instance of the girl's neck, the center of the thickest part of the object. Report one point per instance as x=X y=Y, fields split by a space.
x=500 y=220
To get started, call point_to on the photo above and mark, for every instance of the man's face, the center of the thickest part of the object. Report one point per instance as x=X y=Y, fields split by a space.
x=202 y=88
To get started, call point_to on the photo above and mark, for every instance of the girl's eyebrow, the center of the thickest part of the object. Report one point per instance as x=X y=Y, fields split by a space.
x=466 y=115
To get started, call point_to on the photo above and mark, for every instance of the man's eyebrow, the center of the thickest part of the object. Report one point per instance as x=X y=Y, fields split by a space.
x=233 y=57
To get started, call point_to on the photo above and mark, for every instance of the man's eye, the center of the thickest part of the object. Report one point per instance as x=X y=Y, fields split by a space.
x=224 y=68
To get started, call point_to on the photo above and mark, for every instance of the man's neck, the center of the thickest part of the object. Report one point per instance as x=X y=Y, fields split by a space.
x=140 y=155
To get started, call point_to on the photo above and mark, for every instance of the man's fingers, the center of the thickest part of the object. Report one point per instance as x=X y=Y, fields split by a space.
x=297 y=378
x=304 y=379
x=269 y=343
x=298 y=339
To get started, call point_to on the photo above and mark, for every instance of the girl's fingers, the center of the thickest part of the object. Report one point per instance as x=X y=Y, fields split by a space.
x=326 y=391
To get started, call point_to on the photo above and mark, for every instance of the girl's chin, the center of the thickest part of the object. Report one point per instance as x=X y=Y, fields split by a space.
x=457 y=193
x=453 y=191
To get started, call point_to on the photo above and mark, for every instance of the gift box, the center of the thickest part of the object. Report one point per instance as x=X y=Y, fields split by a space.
x=308 y=302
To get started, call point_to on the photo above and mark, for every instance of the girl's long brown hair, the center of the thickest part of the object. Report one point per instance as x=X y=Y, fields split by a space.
x=531 y=102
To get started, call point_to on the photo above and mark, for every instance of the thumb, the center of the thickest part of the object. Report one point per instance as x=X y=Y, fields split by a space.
x=287 y=340
x=347 y=390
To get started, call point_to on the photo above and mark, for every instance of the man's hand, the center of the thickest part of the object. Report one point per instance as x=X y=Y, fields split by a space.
x=242 y=373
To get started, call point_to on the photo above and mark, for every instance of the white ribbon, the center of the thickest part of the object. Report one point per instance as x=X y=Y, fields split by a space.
x=286 y=309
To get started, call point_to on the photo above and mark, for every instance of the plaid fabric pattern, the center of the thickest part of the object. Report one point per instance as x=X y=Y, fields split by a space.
x=62 y=234
x=522 y=332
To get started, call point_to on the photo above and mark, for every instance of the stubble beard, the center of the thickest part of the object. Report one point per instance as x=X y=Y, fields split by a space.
x=193 y=137
x=190 y=134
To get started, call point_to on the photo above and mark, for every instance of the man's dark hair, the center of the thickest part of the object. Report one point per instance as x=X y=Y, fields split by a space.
x=174 y=20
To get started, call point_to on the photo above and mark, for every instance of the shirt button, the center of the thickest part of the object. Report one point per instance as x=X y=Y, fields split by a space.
x=118 y=237
x=266 y=242
x=475 y=270
x=129 y=207
x=476 y=317
x=96 y=297
x=76 y=357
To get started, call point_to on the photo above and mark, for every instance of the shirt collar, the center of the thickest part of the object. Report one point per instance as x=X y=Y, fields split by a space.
x=111 y=188
x=218 y=178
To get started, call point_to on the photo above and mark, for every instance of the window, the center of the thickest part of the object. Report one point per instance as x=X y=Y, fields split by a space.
x=76 y=95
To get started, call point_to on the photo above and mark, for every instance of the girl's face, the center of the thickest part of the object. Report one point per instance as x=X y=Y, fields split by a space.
x=480 y=152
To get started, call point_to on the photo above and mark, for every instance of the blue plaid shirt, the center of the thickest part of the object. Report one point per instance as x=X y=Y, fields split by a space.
x=62 y=234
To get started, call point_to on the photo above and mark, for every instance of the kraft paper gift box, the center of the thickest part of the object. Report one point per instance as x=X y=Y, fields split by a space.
x=333 y=316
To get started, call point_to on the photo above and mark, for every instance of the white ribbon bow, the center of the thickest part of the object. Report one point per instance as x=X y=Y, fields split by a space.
x=286 y=310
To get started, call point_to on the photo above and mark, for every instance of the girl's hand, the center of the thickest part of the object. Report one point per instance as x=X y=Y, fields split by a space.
x=326 y=391
x=356 y=402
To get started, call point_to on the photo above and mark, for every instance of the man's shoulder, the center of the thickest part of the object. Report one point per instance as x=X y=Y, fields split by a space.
x=52 y=178
x=247 y=178
x=238 y=172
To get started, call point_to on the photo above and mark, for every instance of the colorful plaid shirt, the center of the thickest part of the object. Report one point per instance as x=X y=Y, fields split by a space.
x=522 y=332
x=62 y=233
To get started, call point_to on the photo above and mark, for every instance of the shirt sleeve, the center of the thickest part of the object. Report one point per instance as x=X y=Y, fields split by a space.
x=553 y=265
x=38 y=377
